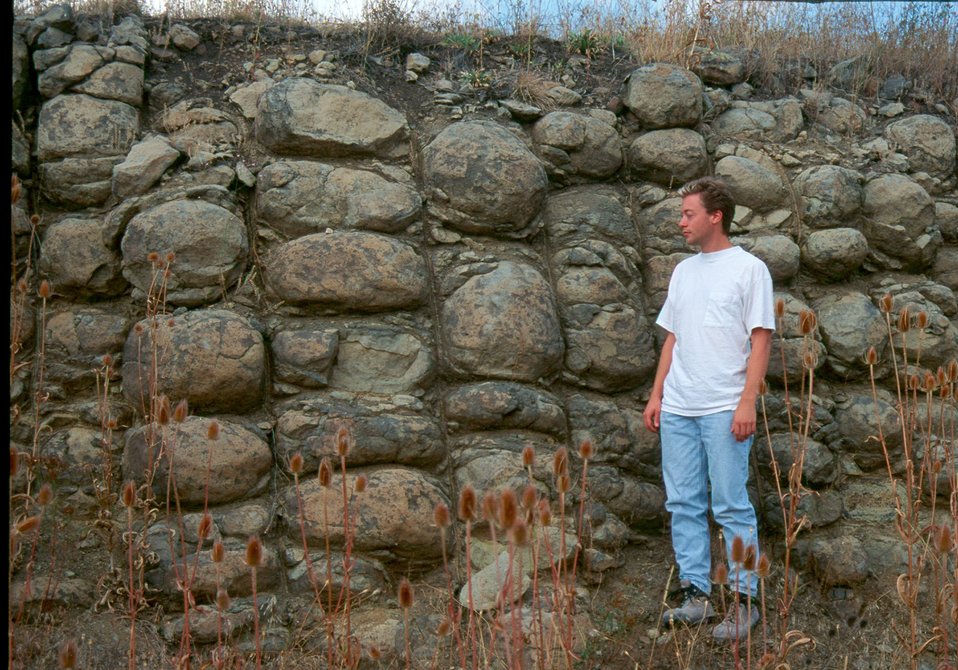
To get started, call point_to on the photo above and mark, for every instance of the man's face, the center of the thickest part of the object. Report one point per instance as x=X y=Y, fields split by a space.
x=697 y=225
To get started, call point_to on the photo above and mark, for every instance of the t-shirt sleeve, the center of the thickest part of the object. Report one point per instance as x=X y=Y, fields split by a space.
x=666 y=317
x=759 y=300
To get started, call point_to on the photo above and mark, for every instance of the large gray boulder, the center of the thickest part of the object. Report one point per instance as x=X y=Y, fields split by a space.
x=638 y=503
x=502 y=323
x=670 y=157
x=779 y=253
x=392 y=519
x=504 y=405
x=719 y=67
x=843 y=117
x=382 y=359
x=946 y=216
x=301 y=117
x=76 y=341
x=662 y=95
x=80 y=257
x=868 y=426
x=829 y=196
x=753 y=184
x=209 y=243
x=115 y=81
x=609 y=345
x=659 y=225
x=576 y=145
x=143 y=166
x=80 y=182
x=819 y=463
x=75 y=64
x=214 y=359
x=850 y=324
x=302 y=197
x=481 y=179
x=834 y=254
x=493 y=461
x=617 y=433
x=899 y=219
x=304 y=356
x=775 y=120
x=236 y=465
x=927 y=141
x=583 y=213
x=382 y=432
x=347 y=270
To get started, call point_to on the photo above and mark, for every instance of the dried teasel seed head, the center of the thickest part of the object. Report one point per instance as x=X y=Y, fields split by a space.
x=14 y=462
x=738 y=550
x=952 y=370
x=22 y=285
x=45 y=495
x=810 y=360
x=904 y=320
x=921 y=319
x=441 y=516
x=563 y=484
x=181 y=411
x=129 y=494
x=35 y=220
x=467 y=503
x=528 y=456
x=45 y=290
x=490 y=507
x=163 y=410
x=68 y=654
x=508 y=508
x=360 y=484
x=807 y=321
x=530 y=496
x=29 y=524
x=545 y=513
x=406 y=597
x=205 y=526
x=112 y=423
x=167 y=273
x=519 y=533
x=560 y=462
x=153 y=257
x=930 y=382
x=941 y=376
x=444 y=627
x=213 y=432
x=107 y=361
x=762 y=387
x=721 y=574
x=218 y=552
x=780 y=308
x=138 y=329
x=325 y=473
x=342 y=442
x=913 y=383
x=946 y=392
x=871 y=356
x=943 y=541
x=764 y=567
x=750 y=554
x=885 y=304
x=222 y=599
x=374 y=652
x=254 y=552
x=170 y=257
x=296 y=463
x=586 y=449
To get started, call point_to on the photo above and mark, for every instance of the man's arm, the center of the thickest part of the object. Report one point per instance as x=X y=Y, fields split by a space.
x=744 y=419
x=654 y=408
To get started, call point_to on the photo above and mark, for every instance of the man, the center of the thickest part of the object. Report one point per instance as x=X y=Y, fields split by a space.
x=719 y=318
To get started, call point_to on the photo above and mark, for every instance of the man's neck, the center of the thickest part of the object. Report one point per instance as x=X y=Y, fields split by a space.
x=716 y=243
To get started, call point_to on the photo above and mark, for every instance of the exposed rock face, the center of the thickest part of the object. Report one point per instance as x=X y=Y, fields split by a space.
x=465 y=284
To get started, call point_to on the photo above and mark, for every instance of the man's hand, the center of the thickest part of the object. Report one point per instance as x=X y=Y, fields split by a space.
x=653 y=410
x=743 y=421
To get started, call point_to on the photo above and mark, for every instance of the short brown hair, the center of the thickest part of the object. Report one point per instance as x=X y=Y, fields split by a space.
x=716 y=197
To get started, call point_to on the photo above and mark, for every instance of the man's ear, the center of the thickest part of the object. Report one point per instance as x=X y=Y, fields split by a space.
x=715 y=217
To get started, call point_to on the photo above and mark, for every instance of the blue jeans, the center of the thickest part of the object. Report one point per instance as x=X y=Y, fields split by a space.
x=698 y=451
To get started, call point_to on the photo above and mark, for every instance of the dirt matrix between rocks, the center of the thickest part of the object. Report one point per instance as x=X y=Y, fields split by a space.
x=447 y=261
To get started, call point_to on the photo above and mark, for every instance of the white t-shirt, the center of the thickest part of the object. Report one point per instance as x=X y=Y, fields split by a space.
x=715 y=300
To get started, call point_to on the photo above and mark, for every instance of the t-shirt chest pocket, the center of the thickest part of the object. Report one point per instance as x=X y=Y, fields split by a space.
x=724 y=310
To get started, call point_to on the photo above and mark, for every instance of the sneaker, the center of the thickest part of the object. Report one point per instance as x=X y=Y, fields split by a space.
x=739 y=619
x=695 y=607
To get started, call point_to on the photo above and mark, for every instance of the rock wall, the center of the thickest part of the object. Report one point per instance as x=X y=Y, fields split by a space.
x=454 y=280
